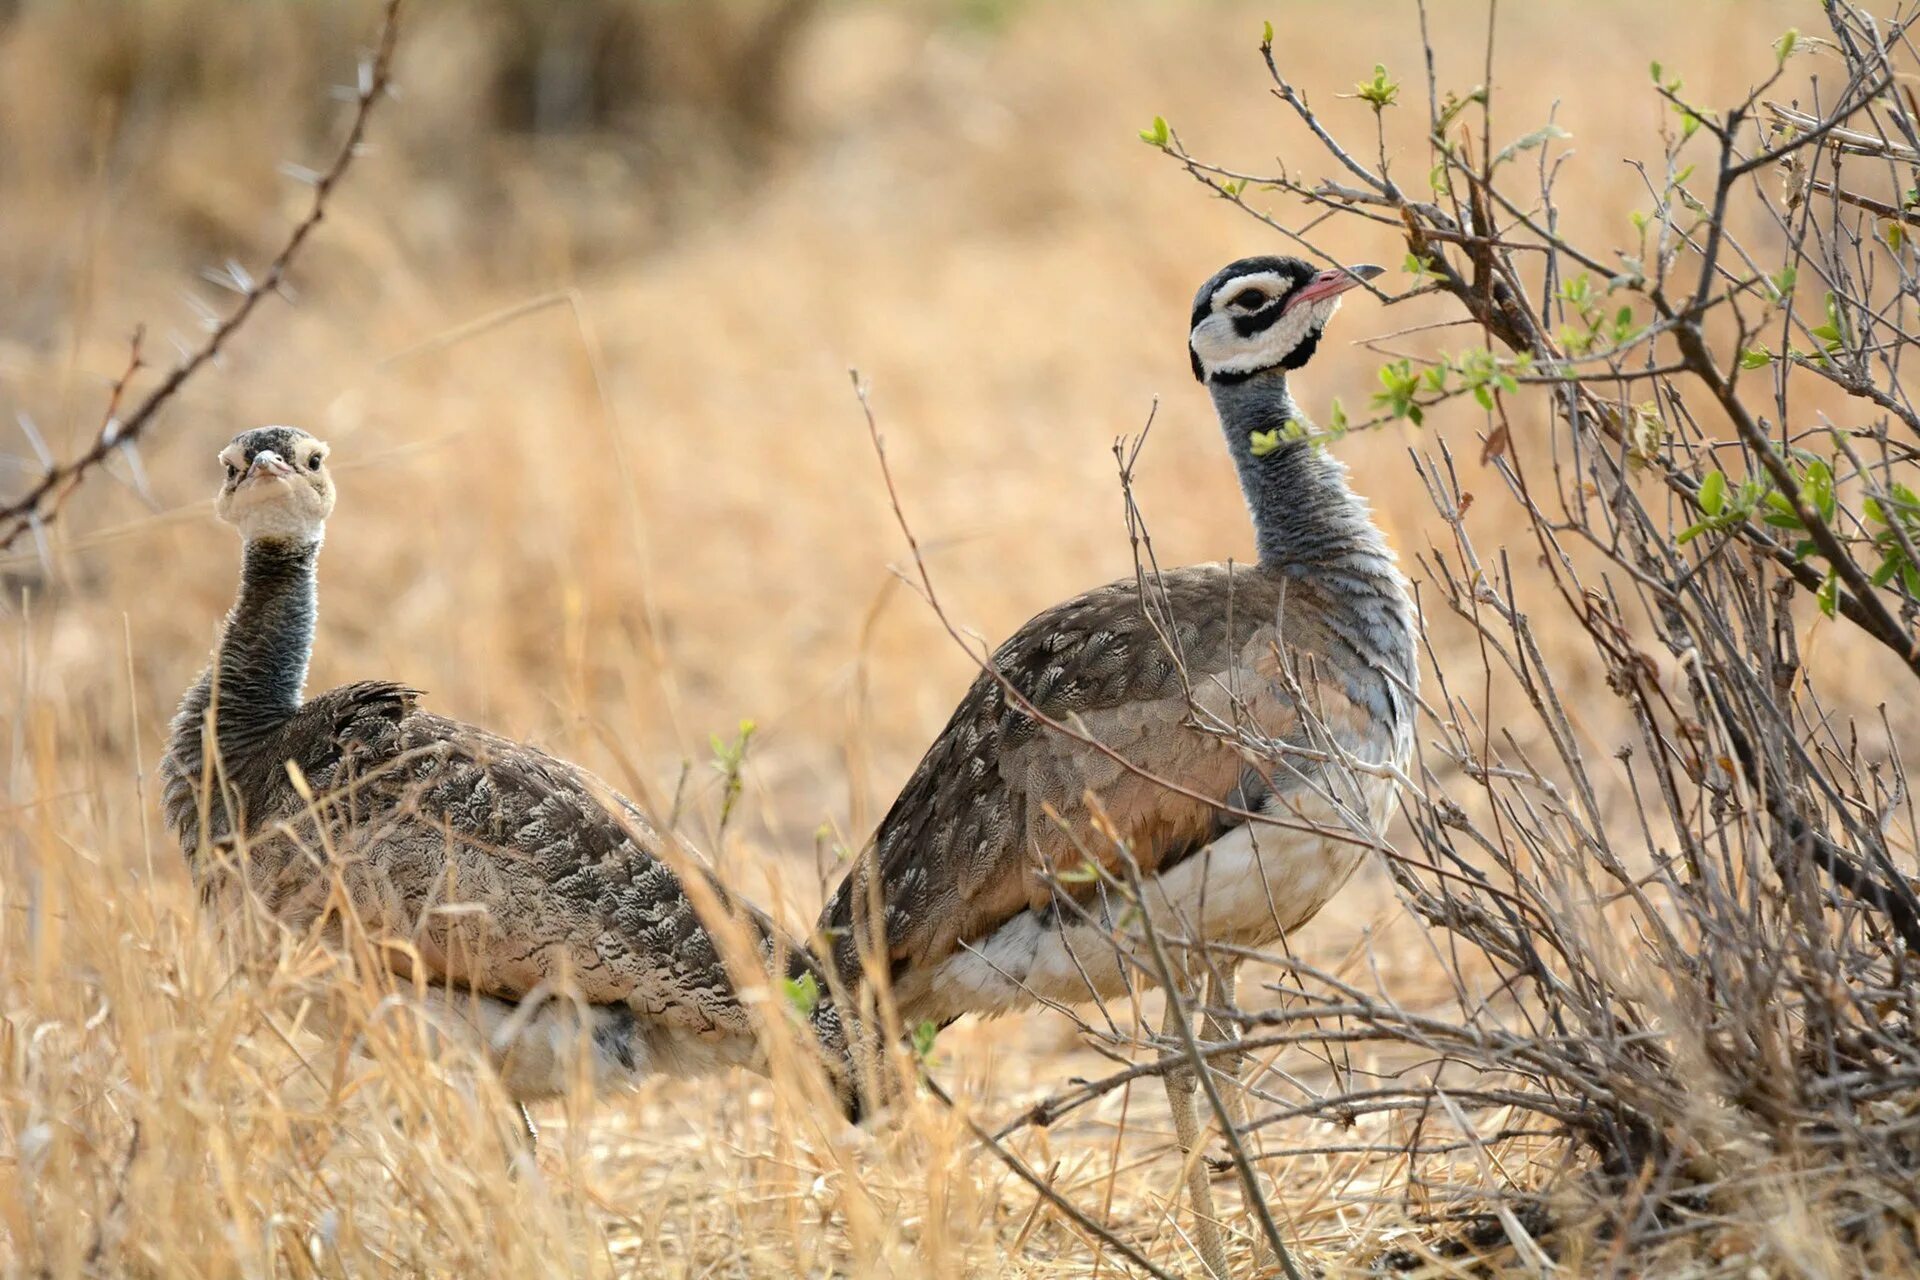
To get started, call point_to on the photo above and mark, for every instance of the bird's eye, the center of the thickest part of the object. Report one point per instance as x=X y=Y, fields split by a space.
x=232 y=471
x=313 y=461
x=1249 y=299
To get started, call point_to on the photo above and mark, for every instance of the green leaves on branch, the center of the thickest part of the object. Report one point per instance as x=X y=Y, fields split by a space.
x=1158 y=134
x=1834 y=332
x=1617 y=327
x=1481 y=374
x=1897 y=518
x=1892 y=520
x=1406 y=392
x=1780 y=284
x=1401 y=384
x=1689 y=121
x=1379 y=91
x=1725 y=507
x=1298 y=429
x=1722 y=506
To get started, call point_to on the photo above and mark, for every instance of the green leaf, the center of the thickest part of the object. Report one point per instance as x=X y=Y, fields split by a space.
x=1713 y=492
x=1755 y=358
x=1653 y=71
x=1828 y=597
x=1896 y=236
x=1784 y=46
x=926 y=1032
x=1086 y=872
x=1158 y=135
x=1816 y=490
x=803 y=993
x=1261 y=443
x=1379 y=91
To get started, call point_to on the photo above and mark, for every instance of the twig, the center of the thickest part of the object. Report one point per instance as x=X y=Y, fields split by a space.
x=42 y=502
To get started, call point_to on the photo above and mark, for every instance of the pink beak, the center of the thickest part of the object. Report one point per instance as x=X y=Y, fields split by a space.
x=268 y=463
x=1333 y=282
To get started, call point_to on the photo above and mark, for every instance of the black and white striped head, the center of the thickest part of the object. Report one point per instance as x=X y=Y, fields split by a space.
x=275 y=485
x=1264 y=313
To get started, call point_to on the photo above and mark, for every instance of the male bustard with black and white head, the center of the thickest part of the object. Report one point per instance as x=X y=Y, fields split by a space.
x=971 y=917
x=536 y=898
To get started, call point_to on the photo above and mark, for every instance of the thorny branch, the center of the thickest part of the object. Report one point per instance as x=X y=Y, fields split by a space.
x=43 y=500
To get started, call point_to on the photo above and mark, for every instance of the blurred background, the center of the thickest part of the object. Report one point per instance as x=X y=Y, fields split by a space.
x=579 y=325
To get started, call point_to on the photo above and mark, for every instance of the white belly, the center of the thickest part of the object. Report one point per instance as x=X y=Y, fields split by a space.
x=1251 y=887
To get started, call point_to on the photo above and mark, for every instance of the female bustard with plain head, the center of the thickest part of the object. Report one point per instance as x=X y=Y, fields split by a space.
x=535 y=897
x=957 y=903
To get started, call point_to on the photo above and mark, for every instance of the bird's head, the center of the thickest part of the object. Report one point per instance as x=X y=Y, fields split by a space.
x=1266 y=313
x=275 y=486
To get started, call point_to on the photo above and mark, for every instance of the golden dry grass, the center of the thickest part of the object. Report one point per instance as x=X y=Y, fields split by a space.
x=605 y=487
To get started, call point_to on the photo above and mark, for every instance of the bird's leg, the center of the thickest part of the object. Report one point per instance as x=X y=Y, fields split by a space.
x=526 y=1122
x=1180 y=1084
x=1216 y=1027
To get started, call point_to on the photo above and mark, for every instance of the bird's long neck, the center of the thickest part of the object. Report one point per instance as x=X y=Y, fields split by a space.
x=253 y=684
x=1309 y=525
x=1303 y=512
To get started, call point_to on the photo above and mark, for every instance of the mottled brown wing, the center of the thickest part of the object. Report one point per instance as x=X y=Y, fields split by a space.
x=506 y=868
x=998 y=802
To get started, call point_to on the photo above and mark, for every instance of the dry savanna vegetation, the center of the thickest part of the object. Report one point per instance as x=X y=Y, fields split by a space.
x=1628 y=991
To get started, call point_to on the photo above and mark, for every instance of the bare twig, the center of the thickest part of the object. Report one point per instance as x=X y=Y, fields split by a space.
x=43 y=500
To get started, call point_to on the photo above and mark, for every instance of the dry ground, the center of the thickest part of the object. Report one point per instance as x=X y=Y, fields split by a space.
x=632 y=513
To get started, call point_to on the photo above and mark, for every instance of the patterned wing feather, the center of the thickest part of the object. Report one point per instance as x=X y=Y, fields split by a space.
x=1000 y=800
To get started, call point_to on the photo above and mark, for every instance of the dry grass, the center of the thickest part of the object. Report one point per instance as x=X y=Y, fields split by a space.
x=604 y=487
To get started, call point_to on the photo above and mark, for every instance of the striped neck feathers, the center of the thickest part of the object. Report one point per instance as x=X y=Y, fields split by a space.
x=259 y=670
x=1304 y=514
